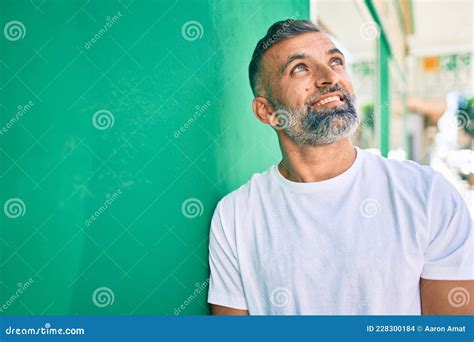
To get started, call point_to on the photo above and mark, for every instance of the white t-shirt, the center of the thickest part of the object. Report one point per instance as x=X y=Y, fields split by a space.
x=357 y=243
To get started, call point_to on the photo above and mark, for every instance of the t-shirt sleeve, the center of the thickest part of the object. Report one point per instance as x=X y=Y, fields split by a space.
x=449 y=254
x=225 y=283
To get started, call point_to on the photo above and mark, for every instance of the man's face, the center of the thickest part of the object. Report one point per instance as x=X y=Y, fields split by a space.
x=310 y=89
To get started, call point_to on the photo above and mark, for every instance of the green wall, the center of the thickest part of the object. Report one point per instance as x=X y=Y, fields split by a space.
x=133 y=176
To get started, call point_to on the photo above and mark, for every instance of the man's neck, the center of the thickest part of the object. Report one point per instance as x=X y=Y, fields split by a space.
x=303 y=163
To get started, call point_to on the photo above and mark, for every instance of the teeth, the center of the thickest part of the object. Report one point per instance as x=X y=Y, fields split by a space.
x=327 y=100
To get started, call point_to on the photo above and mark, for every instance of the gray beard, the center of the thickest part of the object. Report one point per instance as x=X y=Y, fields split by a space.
x=317 y=127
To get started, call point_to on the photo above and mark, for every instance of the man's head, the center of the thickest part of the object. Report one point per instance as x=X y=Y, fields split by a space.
x=301 y=85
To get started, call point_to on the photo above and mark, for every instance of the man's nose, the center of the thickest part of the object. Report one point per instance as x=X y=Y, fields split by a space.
x=327 y=77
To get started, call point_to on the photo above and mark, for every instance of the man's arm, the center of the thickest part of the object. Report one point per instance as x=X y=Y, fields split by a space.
x=219 y=310
x=447 y=297
x=226 y=292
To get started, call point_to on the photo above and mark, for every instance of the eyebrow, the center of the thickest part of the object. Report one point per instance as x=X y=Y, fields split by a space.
x=297 y=56
x=290 y=60
x=334 y=51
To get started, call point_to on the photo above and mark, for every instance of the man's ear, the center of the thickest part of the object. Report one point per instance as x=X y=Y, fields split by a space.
x=263 y=110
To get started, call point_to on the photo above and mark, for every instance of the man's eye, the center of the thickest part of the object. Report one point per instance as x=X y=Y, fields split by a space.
x=337 y=61
x=299 y=68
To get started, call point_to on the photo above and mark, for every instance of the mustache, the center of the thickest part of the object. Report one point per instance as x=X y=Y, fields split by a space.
x=346 y=96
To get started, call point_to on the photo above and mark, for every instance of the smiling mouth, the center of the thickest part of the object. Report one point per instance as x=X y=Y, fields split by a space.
x=328 y=100
x=336 y=99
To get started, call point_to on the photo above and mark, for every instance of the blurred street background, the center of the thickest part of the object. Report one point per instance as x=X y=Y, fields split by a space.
x=411 y=62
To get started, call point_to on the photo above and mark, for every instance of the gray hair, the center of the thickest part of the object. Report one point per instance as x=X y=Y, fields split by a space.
x=279 y=31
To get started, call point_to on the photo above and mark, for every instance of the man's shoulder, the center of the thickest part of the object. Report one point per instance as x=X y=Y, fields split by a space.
x=411 y=178
x=407 y=171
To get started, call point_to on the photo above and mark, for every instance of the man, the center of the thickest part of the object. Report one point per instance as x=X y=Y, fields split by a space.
x=333 y=229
